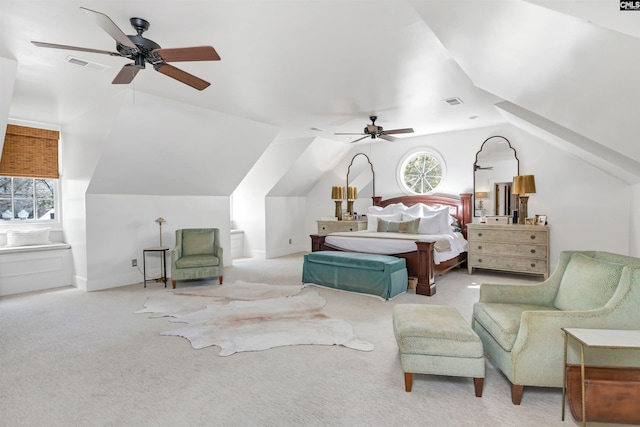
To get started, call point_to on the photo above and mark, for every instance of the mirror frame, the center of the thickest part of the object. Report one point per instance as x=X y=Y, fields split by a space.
x=475 y=167
x=373 y=181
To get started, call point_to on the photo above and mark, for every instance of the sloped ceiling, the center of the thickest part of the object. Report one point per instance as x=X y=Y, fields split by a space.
x=297 y=65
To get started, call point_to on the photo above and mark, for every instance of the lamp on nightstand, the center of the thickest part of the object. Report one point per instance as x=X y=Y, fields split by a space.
x=352 y=195
x=160 y=220
x=523 y=185
x=337 y=194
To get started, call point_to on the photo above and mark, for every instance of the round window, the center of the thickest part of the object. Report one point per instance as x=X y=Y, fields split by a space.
x=421 y=172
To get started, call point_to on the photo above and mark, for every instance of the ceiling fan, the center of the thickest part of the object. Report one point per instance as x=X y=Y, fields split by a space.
x=142 y=50
x=372 y=131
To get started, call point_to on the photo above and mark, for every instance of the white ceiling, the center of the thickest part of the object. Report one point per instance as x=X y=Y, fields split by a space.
x=330 y=64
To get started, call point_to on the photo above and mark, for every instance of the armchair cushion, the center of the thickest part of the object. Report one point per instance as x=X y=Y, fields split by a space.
x=503 y=320
x=195 y=261
x=587 y=283
x=197 y=242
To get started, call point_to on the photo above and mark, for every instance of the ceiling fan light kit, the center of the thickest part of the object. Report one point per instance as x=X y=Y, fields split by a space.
x=144 y=51
x=373 y=131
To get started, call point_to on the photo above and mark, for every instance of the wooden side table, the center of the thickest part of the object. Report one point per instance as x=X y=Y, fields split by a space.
x=163 y=262
x=595 y=338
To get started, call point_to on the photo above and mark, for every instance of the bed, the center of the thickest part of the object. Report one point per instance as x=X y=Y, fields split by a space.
x=424 y=255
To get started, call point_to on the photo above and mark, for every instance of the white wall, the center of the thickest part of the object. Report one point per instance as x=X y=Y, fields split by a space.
x=120 y=226
x=8 y=70
x=285 y=219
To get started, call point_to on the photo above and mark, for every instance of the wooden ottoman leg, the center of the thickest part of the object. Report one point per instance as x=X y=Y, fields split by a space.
x=408 y=381
x=478 y=383
x=516 y=393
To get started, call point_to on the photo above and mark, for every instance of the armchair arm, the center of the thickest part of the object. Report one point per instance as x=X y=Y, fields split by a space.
x=219 y=252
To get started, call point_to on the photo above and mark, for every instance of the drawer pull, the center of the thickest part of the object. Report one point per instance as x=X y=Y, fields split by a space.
x=479 y=234
x=533 y=264
x=351 y=229
x=479 y=259
x=533 y=251
x=533 y=237
x=480 y=247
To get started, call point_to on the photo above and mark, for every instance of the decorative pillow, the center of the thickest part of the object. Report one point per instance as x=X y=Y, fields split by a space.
x=372 y=220
x=197 y=242
x=38 y=236
x=437 y=222
x=409 y=227
x=587 y=283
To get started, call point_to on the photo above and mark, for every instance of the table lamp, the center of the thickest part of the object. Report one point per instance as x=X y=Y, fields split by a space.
x=352 y=194
x=160 y=220
x=337 y=194
x=523 y=185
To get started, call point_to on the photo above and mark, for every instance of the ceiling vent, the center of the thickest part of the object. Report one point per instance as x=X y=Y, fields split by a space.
x=87 y=64
x=453 y=101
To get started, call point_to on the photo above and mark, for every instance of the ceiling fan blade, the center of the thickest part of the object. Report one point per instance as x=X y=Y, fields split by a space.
x=111 y=28
x=387 y=137
x=181 y=76
x=198 y=53
x=348 y=133
x=392 y=131
x=126 y=74
x=81 y=49
x=360 y=139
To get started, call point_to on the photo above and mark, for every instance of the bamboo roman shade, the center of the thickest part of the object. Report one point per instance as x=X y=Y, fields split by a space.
x=30 y=152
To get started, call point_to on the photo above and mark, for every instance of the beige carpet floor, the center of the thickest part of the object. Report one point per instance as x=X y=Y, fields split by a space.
x=72 y=358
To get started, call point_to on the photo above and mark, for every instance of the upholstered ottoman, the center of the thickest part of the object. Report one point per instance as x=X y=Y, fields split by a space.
x=381 y=275
x=436 y=340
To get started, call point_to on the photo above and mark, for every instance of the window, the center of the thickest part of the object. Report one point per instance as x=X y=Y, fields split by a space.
x=421 y=172
x=29 y=174
x=27 y=198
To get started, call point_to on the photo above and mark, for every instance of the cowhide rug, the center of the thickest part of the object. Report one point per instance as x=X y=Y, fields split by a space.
x=252 y=316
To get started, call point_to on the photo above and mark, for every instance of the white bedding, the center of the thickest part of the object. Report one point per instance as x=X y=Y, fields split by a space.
x=396 y=243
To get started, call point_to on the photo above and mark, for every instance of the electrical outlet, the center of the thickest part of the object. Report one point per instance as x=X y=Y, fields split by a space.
x=289 y=241
x=134 y=262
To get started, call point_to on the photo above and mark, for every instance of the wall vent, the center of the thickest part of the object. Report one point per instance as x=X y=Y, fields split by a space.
x=87 y=64
x=453 y=101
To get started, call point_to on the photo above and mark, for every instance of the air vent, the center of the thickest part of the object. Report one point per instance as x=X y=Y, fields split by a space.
x=453 y=101
x=87 y=64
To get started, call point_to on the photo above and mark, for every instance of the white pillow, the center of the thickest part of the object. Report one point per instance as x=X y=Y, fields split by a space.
x=437 y=222
x=372 y=220
x=39 y=236
x=387 y=210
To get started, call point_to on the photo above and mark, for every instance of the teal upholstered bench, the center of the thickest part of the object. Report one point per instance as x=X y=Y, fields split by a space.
x=436 y=340
x=380 y=275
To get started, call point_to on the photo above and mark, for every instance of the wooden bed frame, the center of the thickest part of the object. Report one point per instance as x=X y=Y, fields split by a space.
x=420 y=263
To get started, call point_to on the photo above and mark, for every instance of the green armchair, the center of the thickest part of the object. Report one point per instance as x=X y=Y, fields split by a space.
x=520 y=325
x=197 y=255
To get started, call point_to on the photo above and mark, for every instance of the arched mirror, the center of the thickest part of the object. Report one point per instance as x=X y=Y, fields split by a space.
x=493 y=171
x=360 y=175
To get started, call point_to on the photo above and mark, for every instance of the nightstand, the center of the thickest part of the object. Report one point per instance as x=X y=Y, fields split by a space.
x=328 y=226
x=509 y=247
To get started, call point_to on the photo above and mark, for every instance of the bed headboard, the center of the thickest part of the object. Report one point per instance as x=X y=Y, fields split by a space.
x=460 y=204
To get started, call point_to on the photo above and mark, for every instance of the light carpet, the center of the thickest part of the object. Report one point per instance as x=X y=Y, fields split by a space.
x=252 y=316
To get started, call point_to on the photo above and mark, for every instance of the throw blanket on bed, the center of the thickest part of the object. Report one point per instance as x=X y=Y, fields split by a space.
x=447 y=246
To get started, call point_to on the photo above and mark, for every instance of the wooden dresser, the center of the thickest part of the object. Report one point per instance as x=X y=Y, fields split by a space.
x=328 y=226
x=509 y=247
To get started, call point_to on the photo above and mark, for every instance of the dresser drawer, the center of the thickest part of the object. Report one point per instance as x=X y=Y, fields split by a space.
x=509 y=236
x=523 y=265
x=513 y=249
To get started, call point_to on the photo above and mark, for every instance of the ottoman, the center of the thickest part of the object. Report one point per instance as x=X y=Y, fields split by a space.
x=436 y=340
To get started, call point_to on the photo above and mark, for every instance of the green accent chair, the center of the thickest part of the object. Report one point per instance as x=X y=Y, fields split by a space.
x=520 y=325
x=197 y=255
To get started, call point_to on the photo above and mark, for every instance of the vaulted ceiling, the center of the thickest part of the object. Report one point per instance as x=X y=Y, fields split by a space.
x=309 y=68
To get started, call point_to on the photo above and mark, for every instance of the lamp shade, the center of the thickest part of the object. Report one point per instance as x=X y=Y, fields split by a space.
x=524 y=184
x=337 y=192
x=352 y=193
x=482 y=195
x=160 y=220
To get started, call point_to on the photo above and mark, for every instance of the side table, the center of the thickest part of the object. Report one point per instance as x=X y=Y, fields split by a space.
x=163 y=262
x=595 y=338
